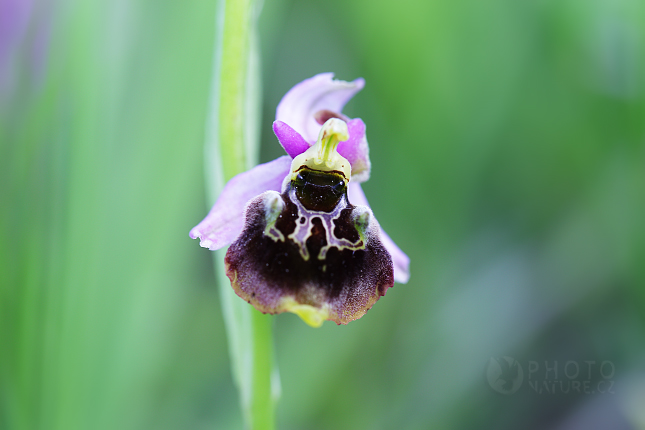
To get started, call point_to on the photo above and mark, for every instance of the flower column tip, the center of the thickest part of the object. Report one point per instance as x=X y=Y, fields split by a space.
x=323 y=155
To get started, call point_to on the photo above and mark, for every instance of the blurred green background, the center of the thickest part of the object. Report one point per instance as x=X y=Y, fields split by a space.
x=508 y=149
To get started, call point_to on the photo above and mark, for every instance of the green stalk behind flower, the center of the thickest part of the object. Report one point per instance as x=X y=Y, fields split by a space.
x=232 y=142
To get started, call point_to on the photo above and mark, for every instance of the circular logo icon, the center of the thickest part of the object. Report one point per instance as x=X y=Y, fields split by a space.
x=504 y=374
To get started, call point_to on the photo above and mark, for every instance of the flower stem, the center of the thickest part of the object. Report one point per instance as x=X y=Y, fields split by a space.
x=262 y=404
x=232 y=143
x=234 y=57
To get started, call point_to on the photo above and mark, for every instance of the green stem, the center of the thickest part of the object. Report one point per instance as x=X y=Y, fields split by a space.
x=262 y=404
x=234 y=56
x=231 y=148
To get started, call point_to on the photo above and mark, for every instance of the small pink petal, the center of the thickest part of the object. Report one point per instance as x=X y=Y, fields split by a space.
x=356 y=150
x=292 y=142
x=224 y=222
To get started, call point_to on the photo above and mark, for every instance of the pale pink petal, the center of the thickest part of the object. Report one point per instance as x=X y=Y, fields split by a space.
x=356 y=150
x=322 y=92
x=225 y=220
x=292 y=142
x=399 y=259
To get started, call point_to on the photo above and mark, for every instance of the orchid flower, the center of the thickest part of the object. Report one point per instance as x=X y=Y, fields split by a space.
x=302 y=236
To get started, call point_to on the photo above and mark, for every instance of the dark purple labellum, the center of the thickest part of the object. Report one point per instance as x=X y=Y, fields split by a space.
x=309 y=251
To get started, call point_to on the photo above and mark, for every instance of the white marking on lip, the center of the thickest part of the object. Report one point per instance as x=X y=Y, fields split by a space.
x=303 y=230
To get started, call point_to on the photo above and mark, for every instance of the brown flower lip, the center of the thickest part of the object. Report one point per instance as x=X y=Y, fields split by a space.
x=320 y=264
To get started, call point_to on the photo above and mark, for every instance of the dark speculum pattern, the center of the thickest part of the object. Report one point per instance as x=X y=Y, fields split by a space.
x=354 y=271
x=319 y=191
